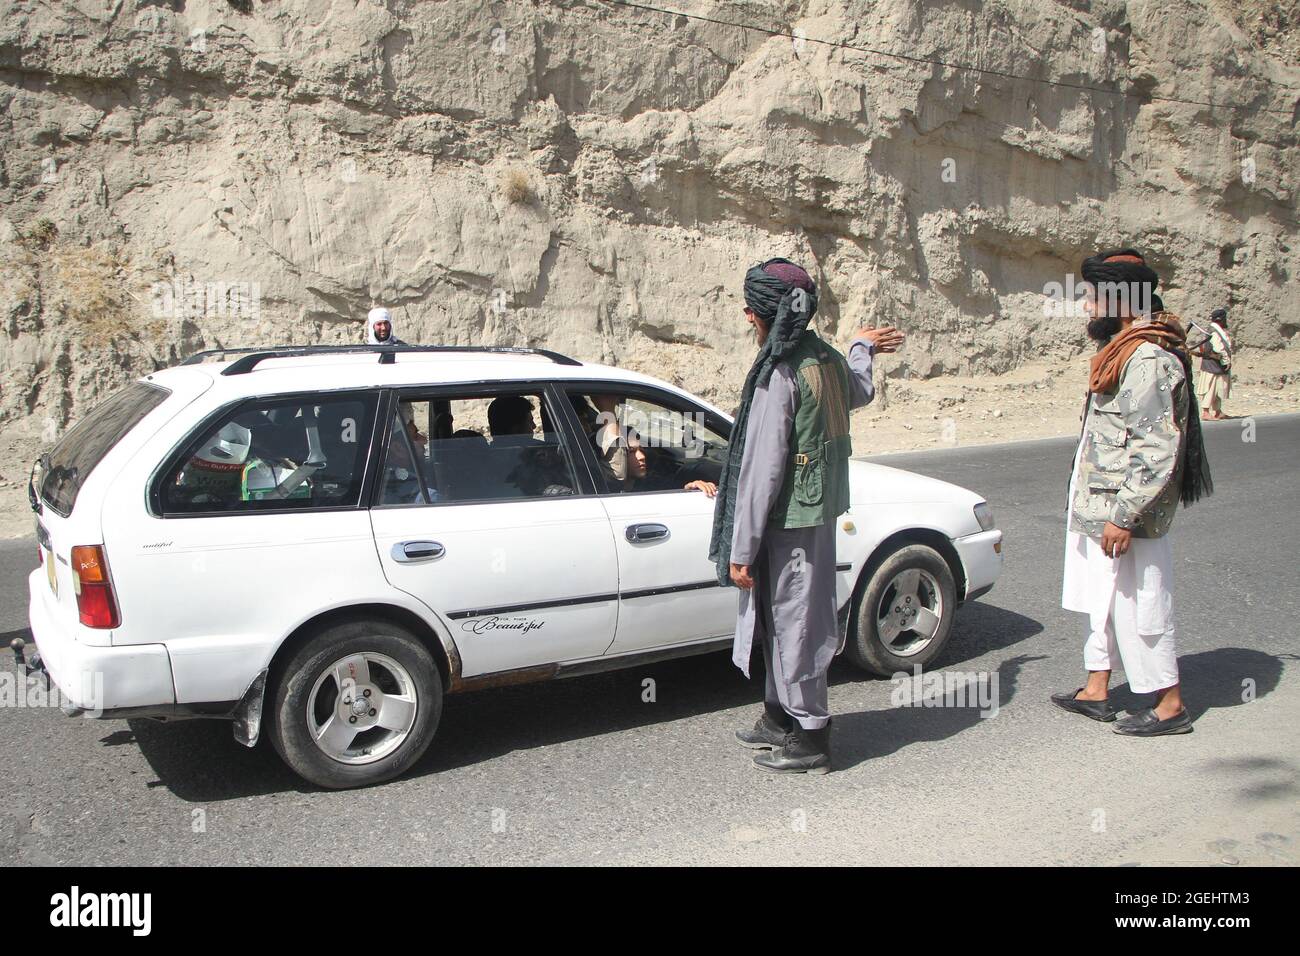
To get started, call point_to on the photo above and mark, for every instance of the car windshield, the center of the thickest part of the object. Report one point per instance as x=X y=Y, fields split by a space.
x=70 y=463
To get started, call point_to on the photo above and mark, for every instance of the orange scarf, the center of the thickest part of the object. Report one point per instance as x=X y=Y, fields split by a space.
x=1165 y=330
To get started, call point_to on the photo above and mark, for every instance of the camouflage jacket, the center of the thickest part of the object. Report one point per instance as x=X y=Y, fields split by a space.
x=1131 y=463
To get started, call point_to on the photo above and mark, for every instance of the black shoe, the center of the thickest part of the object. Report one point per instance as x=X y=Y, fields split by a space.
x=1096 y=709
x=1145 y=723
x=769 y=731
x=805 y=751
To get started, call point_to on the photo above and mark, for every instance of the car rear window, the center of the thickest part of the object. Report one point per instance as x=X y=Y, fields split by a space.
x=70 y=463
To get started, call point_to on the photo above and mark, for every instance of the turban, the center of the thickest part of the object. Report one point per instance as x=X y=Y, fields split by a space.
x=1122 y=277
x=768 y=282
x=784 y=296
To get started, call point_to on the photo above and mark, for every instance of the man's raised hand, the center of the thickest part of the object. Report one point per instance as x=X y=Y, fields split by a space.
x=884 y=340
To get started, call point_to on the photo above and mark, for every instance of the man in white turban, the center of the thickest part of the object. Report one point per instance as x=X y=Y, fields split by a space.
x=380 y=329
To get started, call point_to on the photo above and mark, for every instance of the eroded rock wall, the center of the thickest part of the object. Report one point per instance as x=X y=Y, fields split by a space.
x=595 y=179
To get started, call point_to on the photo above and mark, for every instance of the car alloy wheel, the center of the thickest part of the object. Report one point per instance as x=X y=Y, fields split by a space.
x=362 y=708
x=910 y=612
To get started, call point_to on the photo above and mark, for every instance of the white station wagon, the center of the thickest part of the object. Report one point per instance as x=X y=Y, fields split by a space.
x=322 y=542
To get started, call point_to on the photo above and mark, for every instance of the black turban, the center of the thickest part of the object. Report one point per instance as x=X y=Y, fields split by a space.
x=1122 y=276
x=784 y=296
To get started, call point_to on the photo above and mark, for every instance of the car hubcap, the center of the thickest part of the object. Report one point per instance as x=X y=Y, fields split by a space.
x=910 y=612
x=361 y=708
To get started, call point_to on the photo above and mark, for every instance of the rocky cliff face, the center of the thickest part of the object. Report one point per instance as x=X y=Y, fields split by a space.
x=594 y=178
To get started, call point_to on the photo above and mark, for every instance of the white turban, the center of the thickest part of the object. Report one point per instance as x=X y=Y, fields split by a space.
x=376 y=315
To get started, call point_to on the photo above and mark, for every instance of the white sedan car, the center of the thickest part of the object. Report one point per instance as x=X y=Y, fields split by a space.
x=319 y=543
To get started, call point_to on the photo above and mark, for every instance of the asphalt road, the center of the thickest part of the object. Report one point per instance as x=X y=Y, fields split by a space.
x=584 y=771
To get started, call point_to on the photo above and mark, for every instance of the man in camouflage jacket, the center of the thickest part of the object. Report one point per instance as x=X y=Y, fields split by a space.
x=1130 y=471
x=1126 y=485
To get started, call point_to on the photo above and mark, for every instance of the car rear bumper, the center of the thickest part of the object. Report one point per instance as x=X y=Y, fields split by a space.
x=99 y=680
x=981 y=559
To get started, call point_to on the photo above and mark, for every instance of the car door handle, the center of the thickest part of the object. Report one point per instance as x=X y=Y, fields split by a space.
x=636 y=533
x=408 y=551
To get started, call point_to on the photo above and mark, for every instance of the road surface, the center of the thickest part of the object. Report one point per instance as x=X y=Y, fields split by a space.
x=585 y=771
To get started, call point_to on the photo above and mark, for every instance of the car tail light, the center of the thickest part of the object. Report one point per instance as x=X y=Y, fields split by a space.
x=94 y=589
x=40 y=555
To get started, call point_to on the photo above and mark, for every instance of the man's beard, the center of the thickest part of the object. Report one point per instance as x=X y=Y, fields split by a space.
x=1104 y=328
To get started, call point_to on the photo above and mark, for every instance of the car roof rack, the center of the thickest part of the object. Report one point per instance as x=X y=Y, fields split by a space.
x=252 y=357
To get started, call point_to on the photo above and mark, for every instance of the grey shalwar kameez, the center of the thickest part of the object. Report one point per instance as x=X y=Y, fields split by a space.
x=791 y=609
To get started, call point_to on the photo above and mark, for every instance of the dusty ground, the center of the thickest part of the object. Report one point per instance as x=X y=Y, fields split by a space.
x=1035 y=401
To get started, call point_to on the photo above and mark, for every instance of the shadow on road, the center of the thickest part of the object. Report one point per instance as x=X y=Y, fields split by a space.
x=980 y=628
x=877 y=733
x=199 y=760
x=1223 y=677
x=1261 y=779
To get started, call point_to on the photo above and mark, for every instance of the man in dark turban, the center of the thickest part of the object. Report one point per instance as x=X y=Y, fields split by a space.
x=783 y=484
x=1140 y=453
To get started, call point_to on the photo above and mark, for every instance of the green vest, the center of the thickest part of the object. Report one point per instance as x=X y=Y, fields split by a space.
x=816 y=486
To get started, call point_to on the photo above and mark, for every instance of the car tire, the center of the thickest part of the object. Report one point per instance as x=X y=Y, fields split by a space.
x=313 y=711
x=884 y=641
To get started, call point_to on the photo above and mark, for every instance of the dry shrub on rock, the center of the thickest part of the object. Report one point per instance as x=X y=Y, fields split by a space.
x=514 y=185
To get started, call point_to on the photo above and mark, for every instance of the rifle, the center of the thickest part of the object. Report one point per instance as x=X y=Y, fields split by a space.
x=1223 y=361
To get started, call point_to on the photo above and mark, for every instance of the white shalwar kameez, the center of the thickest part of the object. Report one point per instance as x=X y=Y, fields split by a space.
x=1129 y=603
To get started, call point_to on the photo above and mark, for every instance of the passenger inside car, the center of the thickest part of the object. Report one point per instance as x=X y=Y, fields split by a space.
x=510 y=419
x=407 y=467
x=464 y=466
x=607 y=439
x=676 y=449
x=419 y=441
x=651 y=469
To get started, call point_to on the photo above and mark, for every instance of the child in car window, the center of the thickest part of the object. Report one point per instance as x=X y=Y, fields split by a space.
x=640 y=476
